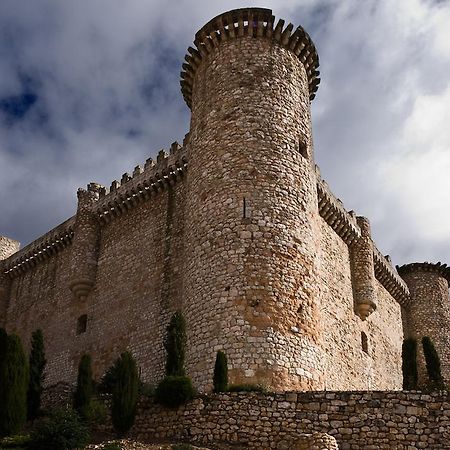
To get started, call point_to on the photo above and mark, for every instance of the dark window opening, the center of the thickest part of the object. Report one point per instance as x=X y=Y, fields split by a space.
x=303 y=148
x=82 y=324
x=244 y=208
x=364 y=342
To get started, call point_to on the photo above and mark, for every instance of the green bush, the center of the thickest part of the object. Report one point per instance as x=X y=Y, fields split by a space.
x=175 y=345
x=63 y=430
x=433 y=364
x=246 y=388
x=83 y=394
x=108 y=380
x=96 y=413
x=14 y=379
x=174 y=391
x=18 y=441
x=220 y=379
x=37 y=364
x=409 y=364
x=125 y=394
x=182 y=447
x=112 y=446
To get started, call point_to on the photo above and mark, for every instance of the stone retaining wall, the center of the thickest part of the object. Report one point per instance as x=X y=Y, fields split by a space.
x=357 y=420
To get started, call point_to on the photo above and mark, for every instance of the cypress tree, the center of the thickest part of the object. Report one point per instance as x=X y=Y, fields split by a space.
x=125 y=393
x=83 y=393
x=433 y=363
x=14 y=376
x=409 y=364
x=175 y=345
x=37 y=364
x=220 y=379
x=3 y=344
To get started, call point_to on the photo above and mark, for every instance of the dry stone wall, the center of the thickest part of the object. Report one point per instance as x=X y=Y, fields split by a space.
x=355 y=420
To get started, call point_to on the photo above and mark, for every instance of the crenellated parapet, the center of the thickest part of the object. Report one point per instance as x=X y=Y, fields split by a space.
x=389 y=278
x=345 y=225
x=42 y=248
x=145 y=182
x=334 y=213
x=256 y=22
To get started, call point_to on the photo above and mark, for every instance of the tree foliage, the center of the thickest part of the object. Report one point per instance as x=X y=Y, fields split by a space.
x=125 y=393
x=220 y=379
x=83 y=393
x=175 y=345
x=14 y=379
x=37 y=365
x=409 y=364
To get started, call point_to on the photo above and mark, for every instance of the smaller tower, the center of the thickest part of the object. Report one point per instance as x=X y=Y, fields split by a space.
x=85 y=241
x=7 y=248
x=428 y=313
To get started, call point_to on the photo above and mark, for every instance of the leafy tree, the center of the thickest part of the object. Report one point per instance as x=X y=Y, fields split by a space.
x=175 y=345
x=433 y=363
x=125 y=393
x=37 y=364
x=83 y=393
x=220 y=379
x=409 y=364
x=14 y=377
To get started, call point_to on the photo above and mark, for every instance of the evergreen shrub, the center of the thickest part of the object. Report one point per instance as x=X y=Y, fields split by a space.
x=409 y=364
x=433 y=364
x=14 y=380
x=63 y=430
x=37 y=365
x=175 y=345
x=220 y=379
x=83 y=394
x=174 y=391
x=246 y=388
x=125 y=394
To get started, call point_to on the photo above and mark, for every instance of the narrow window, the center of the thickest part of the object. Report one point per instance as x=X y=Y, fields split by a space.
x=244 y=208
x=364 y=342
x=303 y=148
x=81 y=324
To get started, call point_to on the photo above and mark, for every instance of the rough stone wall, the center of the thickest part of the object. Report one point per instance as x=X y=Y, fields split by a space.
x=252 y=219
x=356 y=420
x=429 y=315
x=348 y=367
x=8 y=247
x=138 y=286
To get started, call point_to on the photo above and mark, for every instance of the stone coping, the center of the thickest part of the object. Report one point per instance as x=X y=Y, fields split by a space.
x=255 y=22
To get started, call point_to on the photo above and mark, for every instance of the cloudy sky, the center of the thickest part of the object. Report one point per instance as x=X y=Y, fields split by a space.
x=90 y=88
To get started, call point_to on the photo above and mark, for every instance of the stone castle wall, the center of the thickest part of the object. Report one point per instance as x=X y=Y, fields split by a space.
x=236 y=228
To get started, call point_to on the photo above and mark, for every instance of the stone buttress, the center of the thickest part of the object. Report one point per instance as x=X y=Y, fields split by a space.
x=428 y=313
x=252 y=227
x=7 y=248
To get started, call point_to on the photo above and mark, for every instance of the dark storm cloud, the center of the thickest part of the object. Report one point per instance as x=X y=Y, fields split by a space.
x=89 y=89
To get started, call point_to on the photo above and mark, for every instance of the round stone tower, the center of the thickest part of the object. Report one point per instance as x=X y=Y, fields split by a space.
x=252 y=221
x=428 y=313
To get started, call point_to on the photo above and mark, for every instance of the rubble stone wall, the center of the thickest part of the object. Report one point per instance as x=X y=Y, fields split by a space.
x=356 y=420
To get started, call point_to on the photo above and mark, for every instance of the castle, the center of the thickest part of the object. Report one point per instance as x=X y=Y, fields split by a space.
x=237 y=229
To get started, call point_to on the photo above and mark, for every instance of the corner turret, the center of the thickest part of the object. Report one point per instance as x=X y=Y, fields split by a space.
x=7 y=248
x=428 y=313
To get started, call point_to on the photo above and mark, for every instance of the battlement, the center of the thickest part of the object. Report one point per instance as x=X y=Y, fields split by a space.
x=143 y=183
x=256 y=22
x=438 y=268
x=42 y=248
x=8 y=247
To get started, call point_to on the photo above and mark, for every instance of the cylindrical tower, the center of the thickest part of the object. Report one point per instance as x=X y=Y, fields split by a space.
x=428 y=313
x=252 y=222
x=7 y=248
